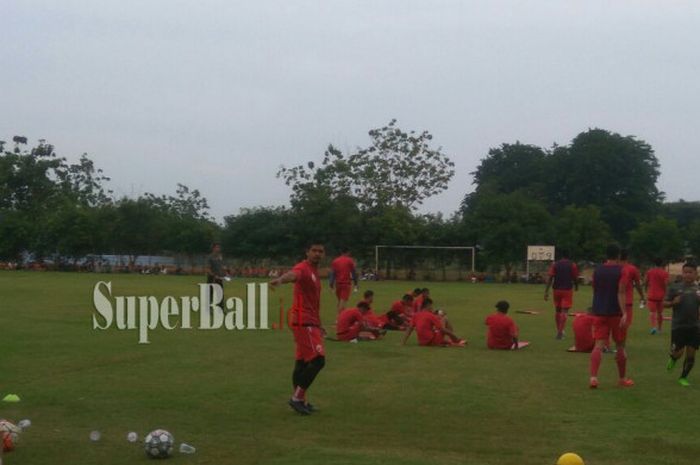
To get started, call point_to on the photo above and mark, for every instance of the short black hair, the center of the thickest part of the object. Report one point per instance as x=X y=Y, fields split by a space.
x=502 y=306
x=368 y=293
x=564 y=253
x=690 y=264
x=624 y=254
x=658 y=261
x=426 y=303
x=417 y=290
x=344 y=250
x=424 y=290
x=612 y=252
x=312 y=243
x=407 y=297
x=363 y=304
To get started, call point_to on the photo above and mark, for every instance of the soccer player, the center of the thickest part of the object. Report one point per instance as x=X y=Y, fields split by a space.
x=371 y=319
x=343 y=275
x=432 y=328
x=502 y=332
x=563 y=278
x=685 y=325
x=399 y=314
x=655 y=283
x=583 y=333
x=306 y=324
x=634 y=281
x=418 y=299
x=609 y=293
x=215 y=269
x=352 y=323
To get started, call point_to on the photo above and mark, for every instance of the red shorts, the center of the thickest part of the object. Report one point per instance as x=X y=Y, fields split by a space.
x=342 y=291
x=604 y=326
x=351 y=333
x=309 y=342
x=563 y=298
x=436 y=339
x=655 y=305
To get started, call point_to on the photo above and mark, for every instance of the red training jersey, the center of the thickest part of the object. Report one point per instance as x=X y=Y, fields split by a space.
x=347 y=319
x=565 y=274
x=418 y=303
x=307 y=295
x=657 y=279
x=426 y=323
x=632 y=276
x=343 y=267
x=502 y=330
x=398 y=307
x=583 y=332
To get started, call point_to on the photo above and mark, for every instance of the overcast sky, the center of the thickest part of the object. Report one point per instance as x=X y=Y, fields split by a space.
x=218 y=94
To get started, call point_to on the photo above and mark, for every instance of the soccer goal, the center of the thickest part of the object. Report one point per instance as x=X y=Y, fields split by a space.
x=424 y=262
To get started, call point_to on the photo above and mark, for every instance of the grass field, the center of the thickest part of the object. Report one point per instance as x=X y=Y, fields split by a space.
x=225 y=392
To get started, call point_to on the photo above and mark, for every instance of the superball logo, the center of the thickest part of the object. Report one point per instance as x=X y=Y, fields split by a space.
x=146 y=313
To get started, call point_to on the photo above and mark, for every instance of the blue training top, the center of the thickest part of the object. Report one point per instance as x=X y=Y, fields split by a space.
x=606 y=284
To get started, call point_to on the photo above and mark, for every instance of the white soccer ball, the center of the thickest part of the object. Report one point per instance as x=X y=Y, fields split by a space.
x=159 y=444
x=9 y=435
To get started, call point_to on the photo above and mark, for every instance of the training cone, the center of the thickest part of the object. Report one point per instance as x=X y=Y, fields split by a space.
x=11 y=398
x=570 y=459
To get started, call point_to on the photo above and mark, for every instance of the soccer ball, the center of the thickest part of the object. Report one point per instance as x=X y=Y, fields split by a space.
x=570 y=459
x=9 y=434
x=159 y=444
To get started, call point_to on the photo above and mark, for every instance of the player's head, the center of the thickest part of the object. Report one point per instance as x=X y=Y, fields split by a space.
x=624 y=255
x=612 y=252
x=407 y=299
x=502 y=306
x=344 y=251
x=690 y=272
x=658 y=261
x=563 y=253
x=425 y=291
x=363 y=306
x=315 y=251
x=368 y=296
x=417 y=291
x=427 y=304
x=216 y=247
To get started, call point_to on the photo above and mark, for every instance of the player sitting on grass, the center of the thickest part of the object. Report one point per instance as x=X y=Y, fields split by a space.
x=352 y=324
x=502 y=332
x=398 y=316
x=432 y=328
x=371 y=318
x=685 y=332
x=418 y=299
x=583 y=333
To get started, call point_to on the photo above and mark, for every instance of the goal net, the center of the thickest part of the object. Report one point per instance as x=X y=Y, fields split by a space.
x=424 y=263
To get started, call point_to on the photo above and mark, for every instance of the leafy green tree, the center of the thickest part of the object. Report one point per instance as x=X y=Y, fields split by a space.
x=582 y=232
x=683 y=212
x=398 y=169
x=660 y=238
x=692 y=235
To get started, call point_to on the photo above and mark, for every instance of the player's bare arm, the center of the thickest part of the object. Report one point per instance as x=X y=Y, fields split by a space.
x=407 y=335
x=288 y=277
x=546 y=289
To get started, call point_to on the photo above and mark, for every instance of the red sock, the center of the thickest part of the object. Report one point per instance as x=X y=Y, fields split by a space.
x=563 y=320
x=653 y=318
x=621 y=359
x=596 y=357
x=299 y=393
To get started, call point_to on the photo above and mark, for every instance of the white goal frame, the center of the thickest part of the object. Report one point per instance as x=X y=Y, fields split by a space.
x=377 y=247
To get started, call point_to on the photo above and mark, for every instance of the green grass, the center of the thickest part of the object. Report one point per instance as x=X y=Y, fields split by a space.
x=225 y=392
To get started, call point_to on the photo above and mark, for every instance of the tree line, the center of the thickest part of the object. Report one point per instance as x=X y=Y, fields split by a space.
x=601 y=187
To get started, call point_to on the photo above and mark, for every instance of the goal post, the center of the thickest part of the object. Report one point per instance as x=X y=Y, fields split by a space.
x=379 y=248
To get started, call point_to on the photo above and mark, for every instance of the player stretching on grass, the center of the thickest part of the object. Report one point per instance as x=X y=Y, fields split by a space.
x=609 y=289
x=306 y=324
x=563 y=277
x=655 y=283
x=343 y=275
x=432 y=328
x=685 y=331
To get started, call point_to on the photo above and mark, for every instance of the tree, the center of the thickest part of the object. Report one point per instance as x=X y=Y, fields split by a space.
x=683 y=212
x=693 y=238
x=581 y=232
x=397 y=169
x=506 y=224
x=660 y=238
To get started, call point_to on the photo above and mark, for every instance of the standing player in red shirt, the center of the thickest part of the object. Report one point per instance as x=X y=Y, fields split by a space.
x=502 y=333
x=634 y=281
x=609 y=291
x=655 y=283
x=306 y=324
x=563 y=277
x=343 y=275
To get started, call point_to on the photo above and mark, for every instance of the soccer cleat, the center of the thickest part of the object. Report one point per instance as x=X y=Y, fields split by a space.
x=671 y=364
x=299 y=407
x=653 y=331
x=625 y=383
x=593 y=383
x=560 y=335
x=310 y=407
x=683 y=382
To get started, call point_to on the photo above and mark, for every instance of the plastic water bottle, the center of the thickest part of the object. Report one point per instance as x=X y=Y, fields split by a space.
x=187 y=449
x=95 y=436
x=24 y=424
x=132 y=437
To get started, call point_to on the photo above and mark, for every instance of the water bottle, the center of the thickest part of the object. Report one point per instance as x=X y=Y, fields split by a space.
x=24 y=424
x=187 y=449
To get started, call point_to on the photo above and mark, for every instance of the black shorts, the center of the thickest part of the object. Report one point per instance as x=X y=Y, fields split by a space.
x=685 y=337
